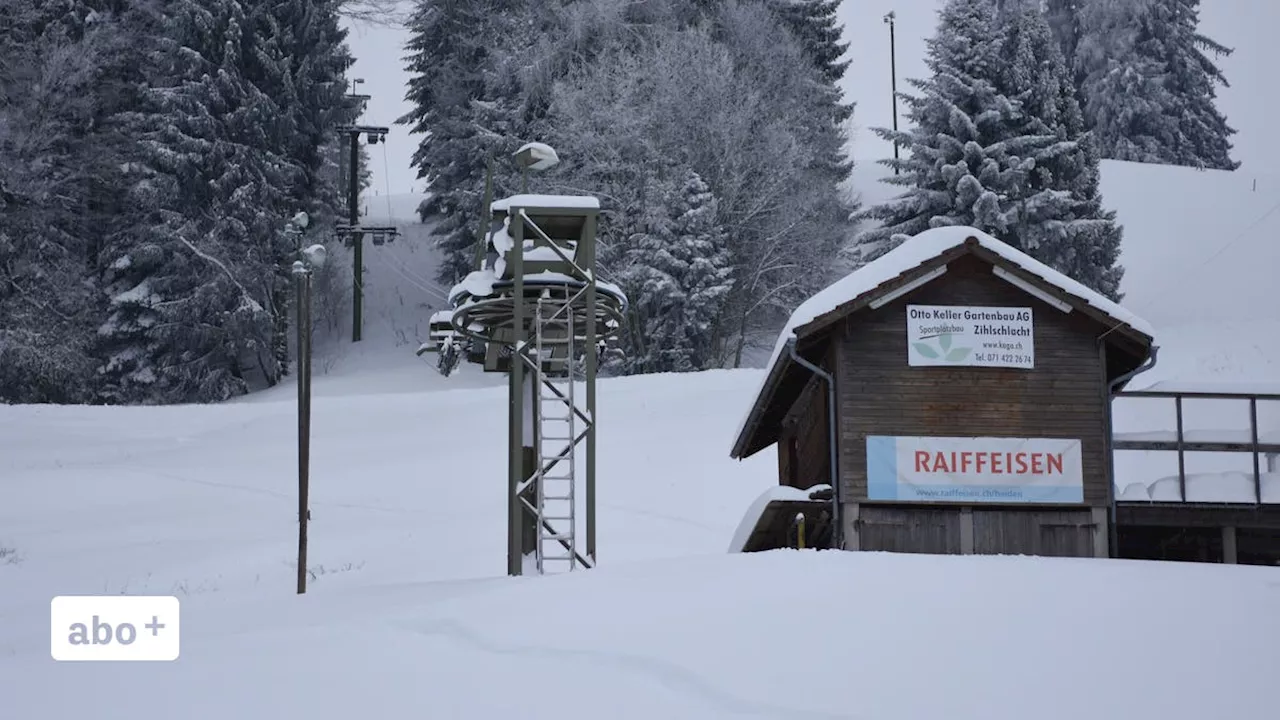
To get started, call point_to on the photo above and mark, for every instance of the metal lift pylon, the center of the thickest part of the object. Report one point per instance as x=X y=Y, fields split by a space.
x=536 y=310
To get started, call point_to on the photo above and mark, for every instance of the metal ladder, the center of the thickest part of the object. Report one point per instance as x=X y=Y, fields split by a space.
x=556 y=442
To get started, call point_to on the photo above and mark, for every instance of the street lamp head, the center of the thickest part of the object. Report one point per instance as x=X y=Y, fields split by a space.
x=537 y=156
x=890 y=17
x=316 y=255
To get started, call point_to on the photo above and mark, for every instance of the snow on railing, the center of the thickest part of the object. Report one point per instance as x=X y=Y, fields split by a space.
x=1259 y=484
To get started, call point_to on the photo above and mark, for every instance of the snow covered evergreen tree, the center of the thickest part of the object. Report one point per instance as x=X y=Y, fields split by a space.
x=1062 y=221
x=1064 y=20
x=193 y=286
x=814 y=23
x=680 y=276
x=300 y=61
x=1148 y=85
x=962 y=161
x=64 y=67
x=744 y=110
x=159 y=146
x=464 y=114
x=998 y=143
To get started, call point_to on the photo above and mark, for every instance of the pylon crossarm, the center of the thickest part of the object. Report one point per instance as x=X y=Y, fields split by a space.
x=584 y=275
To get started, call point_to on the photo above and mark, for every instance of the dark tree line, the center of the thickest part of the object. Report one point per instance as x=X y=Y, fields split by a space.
x=150 y=154
x=712 y=131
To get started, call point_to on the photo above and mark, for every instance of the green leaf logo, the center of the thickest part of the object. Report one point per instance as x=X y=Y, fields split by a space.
x=925 y=350
x=958 y=354
x=945 y=341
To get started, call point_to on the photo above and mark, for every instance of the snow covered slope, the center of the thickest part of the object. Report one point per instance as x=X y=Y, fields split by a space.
x=786 y=635
x=405 y=487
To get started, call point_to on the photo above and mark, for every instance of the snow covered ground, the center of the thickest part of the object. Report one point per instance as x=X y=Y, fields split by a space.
x=794 y=635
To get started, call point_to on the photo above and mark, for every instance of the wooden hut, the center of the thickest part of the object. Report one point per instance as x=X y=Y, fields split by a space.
x=955 y=394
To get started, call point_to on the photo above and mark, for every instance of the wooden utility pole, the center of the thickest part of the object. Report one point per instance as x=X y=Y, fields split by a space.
x=357 y=238
x=352 y=233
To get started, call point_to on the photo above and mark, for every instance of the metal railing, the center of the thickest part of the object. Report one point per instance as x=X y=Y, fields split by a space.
x=1248 y=442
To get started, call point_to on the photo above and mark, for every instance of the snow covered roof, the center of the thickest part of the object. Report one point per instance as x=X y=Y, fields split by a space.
x=575 y=202
x=911 y=254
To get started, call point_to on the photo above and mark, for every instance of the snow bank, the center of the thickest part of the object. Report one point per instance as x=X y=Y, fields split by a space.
x=1199 y=246
x=794 y=635
x=1134 y=492
x=752 y=516
x=911 y=254
x=1217 y=487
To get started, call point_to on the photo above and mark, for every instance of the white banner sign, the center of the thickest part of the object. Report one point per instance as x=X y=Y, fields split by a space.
x=974 y=470
x=970 y=336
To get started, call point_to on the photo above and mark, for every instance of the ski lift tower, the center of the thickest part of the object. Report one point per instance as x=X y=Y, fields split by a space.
x=536 y=310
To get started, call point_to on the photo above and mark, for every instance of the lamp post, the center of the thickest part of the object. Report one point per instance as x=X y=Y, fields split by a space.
x=308 y=259
x=893 y=82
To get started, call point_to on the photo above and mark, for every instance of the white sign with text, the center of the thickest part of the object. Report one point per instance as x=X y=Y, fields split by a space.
x=975 y=470
x=961 y=335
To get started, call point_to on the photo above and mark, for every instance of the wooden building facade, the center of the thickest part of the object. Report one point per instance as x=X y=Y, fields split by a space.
x=972 y=390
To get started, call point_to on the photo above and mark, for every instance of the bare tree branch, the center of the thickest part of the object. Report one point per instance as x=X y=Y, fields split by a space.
x=385 y=13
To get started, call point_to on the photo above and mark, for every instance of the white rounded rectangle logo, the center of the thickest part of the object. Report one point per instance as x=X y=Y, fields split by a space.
x=114 y=628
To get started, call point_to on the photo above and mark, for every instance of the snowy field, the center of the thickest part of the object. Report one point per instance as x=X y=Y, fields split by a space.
x=408 y=613
x=787 y=635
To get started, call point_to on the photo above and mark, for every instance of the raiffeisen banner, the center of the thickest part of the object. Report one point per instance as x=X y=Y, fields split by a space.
x=974 y=470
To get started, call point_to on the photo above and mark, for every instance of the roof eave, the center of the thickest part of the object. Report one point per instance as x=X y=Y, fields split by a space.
x=742 y=446
x=906 y=277
x=1115 y=325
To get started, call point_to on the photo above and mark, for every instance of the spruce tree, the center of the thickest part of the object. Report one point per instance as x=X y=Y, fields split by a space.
x=999 y=144
x=1148 y=85
x=680 y=276
x=65 y=67
x=1064 y=20
x=962 y=164
x=815 y=24
x=300 y=61
x=1063 y=224
x=464 y=114
x=192 y=285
